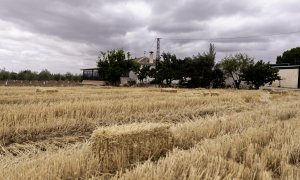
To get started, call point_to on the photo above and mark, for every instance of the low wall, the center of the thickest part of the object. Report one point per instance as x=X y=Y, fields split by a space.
x=92 y=82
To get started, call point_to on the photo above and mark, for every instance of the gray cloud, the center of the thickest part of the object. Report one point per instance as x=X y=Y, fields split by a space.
x=74 y=21
x=67 y=35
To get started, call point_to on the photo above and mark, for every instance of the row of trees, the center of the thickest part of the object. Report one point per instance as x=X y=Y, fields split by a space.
x=114 y=64
x=291 y=56
x=196 y=71
x=44 y=75
x=240 y=67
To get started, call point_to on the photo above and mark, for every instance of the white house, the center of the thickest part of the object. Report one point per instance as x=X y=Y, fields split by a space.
x=290 y=76
x=143 y=61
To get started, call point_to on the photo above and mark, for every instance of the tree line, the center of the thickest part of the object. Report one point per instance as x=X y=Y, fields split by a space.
x=44 y=75
x=200 y=70
x=291 y=57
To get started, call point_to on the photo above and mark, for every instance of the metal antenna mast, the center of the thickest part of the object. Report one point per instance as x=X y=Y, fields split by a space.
x=157 y=50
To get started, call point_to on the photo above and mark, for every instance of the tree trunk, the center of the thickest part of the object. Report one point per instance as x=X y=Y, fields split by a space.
x=237 y=84
x=256 y=86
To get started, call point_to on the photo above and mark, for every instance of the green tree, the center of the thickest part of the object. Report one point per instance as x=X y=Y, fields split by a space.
x=191 y=72
x=218 y=79
x=291 y=56
x=200 y=68
x=27 y=75
x=69 y=76
x=57 y=77
x=259 y=74
x=13 y=76
x=4 y=75
x=113 y=65
x=143 y=73
x=168 y=69
x=77 y=77
x=44 y=75
x=233 y=66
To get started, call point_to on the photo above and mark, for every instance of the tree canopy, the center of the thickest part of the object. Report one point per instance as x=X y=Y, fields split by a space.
x=168 y=69
x=44 y=75
x=291 y=56
x=234 y=65
x=259 y=74
x=195 y=71
x=113 y=64
x=218 y=78
x=143 y=73
x=201 y=68
x=4 y=75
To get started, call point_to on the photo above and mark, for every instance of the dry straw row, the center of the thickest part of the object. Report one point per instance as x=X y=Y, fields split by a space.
x=259 y=153
x=79 y=164
x=46 y=90
x=169 y=90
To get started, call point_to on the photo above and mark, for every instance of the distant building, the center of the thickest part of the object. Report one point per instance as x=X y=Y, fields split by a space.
x=91 y=75
x=289 y=74
x=143 y=61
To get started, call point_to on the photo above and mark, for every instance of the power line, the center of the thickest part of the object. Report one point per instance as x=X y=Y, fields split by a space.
x=230 y=38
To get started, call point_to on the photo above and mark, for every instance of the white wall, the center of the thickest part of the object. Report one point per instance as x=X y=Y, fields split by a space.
x=289 y=78
x=124 y=80
x=133 y=76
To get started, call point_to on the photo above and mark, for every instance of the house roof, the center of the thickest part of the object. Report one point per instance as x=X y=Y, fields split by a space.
x=288 y=67
x=89 y=69
x=144 y=61
x=280 y=64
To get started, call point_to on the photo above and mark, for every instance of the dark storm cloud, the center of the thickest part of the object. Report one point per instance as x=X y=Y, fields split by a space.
x=71 y=20
x=205 y=10
x=71 y=33
x=192 y=12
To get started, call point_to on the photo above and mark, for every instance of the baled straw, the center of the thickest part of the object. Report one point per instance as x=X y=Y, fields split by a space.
x=119 y=147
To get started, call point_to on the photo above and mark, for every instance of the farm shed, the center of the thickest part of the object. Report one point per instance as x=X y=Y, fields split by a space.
x=290 y=76
x=91 y=76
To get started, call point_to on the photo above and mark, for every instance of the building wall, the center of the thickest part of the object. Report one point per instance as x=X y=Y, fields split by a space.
x=124 y=80
x=289 y=78
x=90 y=74
x=133 y=76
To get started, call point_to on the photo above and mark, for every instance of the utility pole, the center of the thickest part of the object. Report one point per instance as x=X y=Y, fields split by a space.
x=157 y=51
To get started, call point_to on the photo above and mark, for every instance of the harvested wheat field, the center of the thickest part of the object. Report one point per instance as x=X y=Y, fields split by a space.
x=148 y=133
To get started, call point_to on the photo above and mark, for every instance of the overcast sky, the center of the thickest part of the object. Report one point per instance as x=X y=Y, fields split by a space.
x=67 y=35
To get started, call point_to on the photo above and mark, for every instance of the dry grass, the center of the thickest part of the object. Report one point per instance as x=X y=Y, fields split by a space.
x=280 y=92
x=70 y=163
x=266 y=152
x=169 y=90
x=46 y=90
x=31 y=116
x=230 y=135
